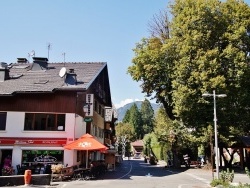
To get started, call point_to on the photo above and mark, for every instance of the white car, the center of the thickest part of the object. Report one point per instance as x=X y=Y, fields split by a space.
x=137 y=155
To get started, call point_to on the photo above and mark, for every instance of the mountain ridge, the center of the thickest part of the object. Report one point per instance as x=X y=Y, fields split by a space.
x=122 y=110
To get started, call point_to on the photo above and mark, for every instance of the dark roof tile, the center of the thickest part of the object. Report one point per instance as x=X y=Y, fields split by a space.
x=29 y=82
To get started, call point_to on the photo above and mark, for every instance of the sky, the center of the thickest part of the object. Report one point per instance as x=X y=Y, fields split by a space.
x=83 y=30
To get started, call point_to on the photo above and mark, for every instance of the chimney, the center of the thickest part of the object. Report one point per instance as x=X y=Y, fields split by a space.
x=71 y=77
x=4 y=72
x=22 y=60
x=39 y=63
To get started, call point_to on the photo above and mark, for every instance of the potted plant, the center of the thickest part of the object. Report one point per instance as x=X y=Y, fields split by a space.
x=7 y=171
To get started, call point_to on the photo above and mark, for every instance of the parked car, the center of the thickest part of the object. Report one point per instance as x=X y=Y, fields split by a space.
x=137 y=155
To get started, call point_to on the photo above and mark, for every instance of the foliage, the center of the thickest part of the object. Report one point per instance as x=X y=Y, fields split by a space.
x=206 y=49
x=125 y=129
x=241 y=185
x=136 y=121
x=227 y=176
x=126 y=117
x=147 y=116
x=157 y=150
x=7 y=171
x=216 y=182
x=150 y=140
x=247 y=172
x=150 y=66
x=163 y=126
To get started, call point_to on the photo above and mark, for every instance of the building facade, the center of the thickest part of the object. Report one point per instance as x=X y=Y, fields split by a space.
x=44 y=106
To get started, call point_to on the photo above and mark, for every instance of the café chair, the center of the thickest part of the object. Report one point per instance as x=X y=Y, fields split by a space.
x=19 y=170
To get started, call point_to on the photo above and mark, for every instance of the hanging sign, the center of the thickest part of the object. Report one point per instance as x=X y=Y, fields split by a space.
x=88 y=119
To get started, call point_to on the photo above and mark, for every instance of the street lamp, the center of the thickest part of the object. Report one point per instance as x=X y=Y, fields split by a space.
x=215 y=128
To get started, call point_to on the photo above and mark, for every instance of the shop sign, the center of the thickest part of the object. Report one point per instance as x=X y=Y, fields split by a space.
x=45 y=158
x=88 y=119
x=25 y=141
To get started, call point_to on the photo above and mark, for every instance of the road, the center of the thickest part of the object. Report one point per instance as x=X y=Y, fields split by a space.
x=135 y=173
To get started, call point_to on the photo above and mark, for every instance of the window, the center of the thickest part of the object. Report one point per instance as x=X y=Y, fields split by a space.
x=44 y=122
x=3 y=116
x=42 y=156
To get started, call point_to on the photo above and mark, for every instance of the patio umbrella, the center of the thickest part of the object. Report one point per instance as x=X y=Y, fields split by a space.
x=87 y=143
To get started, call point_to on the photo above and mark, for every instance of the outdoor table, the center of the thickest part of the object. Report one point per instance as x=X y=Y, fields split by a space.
x=81 y=173
x=65 y=173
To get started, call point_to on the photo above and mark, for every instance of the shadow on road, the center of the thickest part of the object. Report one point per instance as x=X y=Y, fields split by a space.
x=134 y=167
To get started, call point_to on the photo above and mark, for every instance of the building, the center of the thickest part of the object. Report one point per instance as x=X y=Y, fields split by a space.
x=44 y=106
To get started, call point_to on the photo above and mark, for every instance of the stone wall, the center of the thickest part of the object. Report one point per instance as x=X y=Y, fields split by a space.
x=15 y=180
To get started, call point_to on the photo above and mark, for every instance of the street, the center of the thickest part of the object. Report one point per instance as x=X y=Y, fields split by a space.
x=134 y=173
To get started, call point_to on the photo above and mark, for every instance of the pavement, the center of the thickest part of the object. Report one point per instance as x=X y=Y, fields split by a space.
x=122 y=169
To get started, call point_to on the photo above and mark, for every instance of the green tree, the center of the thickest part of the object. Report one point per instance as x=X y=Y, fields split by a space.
x=211 y=54
x=125 y=129
x=207 y=50
x=150 y=141
x=136 y=121
x=126 y=117
x=147 y=115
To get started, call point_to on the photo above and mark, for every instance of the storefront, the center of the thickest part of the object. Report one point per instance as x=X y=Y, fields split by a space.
x=30 y=157
x=33 y=152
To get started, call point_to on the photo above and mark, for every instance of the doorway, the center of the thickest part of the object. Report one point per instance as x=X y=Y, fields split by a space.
x=3 y=154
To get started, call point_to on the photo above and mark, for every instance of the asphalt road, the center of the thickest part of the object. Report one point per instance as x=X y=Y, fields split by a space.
x=135 y=173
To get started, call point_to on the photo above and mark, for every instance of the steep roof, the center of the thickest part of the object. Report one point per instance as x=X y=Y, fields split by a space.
x=23 y=79
x=137 y=143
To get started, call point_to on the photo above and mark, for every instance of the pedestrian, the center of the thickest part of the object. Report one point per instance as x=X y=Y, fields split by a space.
x=7 y=161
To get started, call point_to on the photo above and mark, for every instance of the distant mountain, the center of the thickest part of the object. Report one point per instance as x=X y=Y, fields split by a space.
x=122 y=110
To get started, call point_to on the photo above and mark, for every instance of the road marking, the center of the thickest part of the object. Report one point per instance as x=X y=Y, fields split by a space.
x=180 y=186
x=199 y=178
x=172 y=172
x=127 y=173
x=149 y=175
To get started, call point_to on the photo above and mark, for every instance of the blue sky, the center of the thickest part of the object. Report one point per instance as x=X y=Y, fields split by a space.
x=85 y=30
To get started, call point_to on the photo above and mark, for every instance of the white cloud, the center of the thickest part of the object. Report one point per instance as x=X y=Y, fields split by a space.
x=126 y=101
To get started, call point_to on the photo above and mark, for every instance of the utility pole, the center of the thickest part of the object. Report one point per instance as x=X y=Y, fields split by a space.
x=212 y=154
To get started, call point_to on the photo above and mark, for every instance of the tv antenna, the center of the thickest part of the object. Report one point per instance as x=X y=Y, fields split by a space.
x=63 y=54
x=49 y=48
x=32 y=53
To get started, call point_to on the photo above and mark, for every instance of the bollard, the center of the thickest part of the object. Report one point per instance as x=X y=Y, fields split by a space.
x=27 y=177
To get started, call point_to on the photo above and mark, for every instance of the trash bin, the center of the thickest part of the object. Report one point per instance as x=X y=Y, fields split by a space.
x=27 y=177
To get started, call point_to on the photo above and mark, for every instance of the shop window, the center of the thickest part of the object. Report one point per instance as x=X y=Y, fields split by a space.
x=35 y=157
x=3 y=116
x=44 y=122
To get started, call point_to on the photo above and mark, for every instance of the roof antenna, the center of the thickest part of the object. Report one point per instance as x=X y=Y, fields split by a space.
x=29 y=56
x=33 y=53
x=49 y=47
x=64 y=57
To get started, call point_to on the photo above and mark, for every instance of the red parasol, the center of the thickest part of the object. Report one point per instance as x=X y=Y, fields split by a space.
x=88 y=143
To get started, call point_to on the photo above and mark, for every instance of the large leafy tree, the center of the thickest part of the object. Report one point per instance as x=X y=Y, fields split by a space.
x=206 y=50
x=153 y=65
x=211 y=45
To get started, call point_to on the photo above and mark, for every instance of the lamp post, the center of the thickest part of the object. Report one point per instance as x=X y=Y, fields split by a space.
x=215 y=128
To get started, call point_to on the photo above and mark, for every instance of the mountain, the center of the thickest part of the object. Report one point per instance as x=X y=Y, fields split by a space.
x=122 y=110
